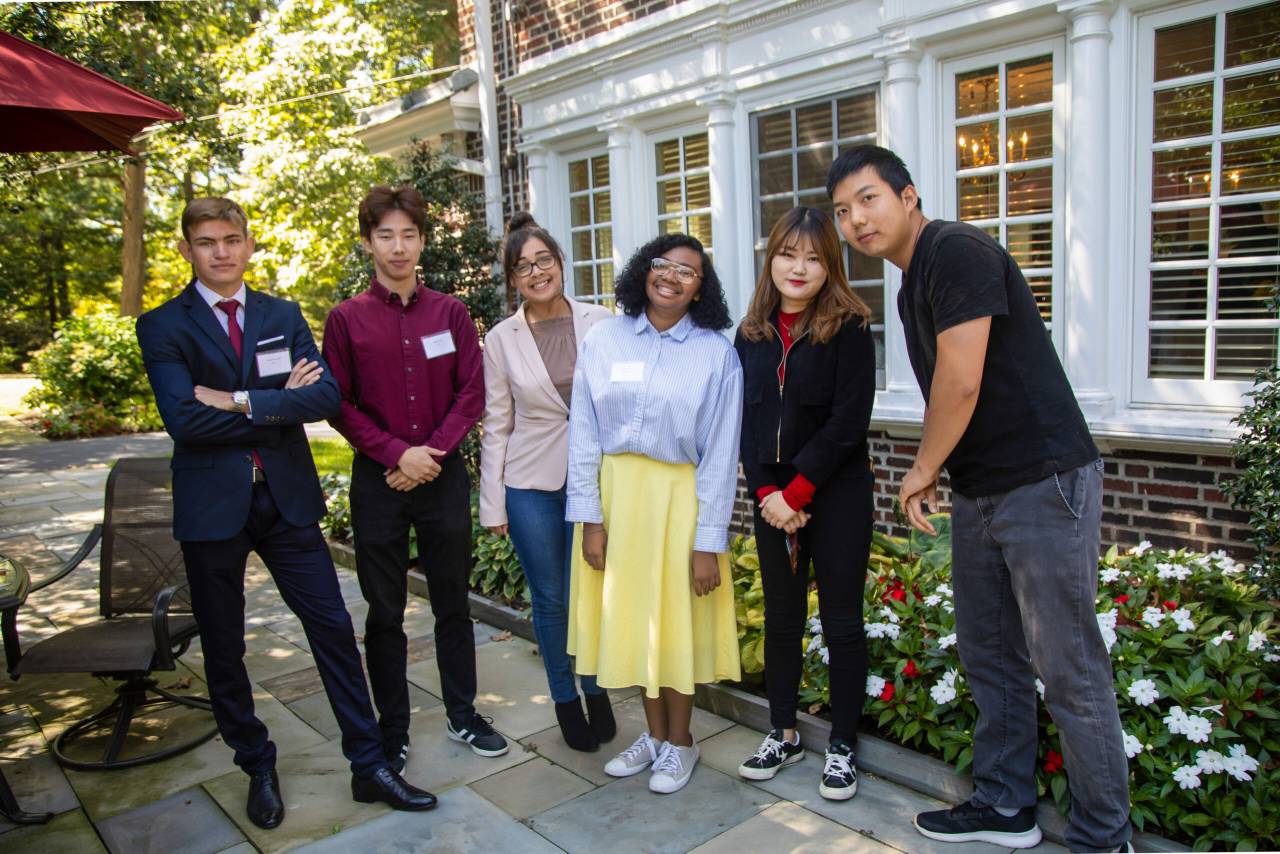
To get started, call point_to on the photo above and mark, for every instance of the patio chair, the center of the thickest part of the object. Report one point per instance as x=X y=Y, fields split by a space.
x=146 y=621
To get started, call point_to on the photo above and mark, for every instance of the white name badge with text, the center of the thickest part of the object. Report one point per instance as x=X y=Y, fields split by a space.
x=627 y=372
x=272 y=362
x=438 y=344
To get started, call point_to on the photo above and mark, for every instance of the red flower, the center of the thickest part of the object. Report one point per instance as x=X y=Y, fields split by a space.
x=887 y=693
x=1052 y=762
x=910 y=671
x=1170 y=605
x=1258 y=695
x=1122 y=598
x=897 y=594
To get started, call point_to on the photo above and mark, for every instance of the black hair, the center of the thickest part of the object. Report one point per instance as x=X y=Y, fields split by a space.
x=709 y=311
x=520 y=228
x=882 y=161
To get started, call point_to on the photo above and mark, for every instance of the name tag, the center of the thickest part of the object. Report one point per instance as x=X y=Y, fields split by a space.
x=438 y=344
x=272 y=362
x=627 y=372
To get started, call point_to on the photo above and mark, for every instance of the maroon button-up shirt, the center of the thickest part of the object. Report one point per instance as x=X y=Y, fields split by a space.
x=395 y=395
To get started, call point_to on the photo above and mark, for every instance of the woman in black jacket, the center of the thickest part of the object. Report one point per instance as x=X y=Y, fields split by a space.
x=808 y=365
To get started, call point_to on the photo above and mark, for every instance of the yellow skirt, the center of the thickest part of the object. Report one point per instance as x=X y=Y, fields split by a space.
x=639 y=622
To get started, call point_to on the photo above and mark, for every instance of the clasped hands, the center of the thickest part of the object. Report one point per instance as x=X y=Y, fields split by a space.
x=704 y=567
x=417 y=465
x=775 y=510
x=304 y=373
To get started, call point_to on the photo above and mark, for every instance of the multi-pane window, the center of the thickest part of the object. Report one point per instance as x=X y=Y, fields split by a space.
x=1002 y=124
x=591 y=229
x=794 y=147
x=683 y=170
x=1214 y=239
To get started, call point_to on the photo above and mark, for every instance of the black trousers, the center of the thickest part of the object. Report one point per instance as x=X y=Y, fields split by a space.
x=299 y=561
x=838 y=539
x=440 y=511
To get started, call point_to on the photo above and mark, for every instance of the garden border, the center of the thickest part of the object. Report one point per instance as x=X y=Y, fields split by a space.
x=893 y=762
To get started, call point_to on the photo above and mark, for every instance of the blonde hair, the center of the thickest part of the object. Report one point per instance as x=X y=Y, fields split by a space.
x=211 y=208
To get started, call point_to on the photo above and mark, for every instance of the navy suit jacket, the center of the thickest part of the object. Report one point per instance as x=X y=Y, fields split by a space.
x=183 y=345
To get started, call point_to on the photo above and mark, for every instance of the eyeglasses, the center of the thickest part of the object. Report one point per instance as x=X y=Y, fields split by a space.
x=543 y=261
x=684 y=274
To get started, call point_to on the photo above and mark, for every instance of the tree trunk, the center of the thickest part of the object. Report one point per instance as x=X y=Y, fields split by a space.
x=188 y=187
x=134 y=254
x=60 y=275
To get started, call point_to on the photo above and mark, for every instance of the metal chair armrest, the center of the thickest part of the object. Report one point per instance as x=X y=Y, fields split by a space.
x=160 y=626
x=81 y=553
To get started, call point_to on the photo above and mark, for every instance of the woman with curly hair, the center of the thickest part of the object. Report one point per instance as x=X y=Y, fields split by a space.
x=528 y=378
x=653 y=469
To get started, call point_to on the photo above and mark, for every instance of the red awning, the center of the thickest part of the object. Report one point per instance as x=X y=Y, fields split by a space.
x=49 y=103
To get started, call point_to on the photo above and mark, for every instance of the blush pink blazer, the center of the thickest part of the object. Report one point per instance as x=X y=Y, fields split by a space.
x=526 y=423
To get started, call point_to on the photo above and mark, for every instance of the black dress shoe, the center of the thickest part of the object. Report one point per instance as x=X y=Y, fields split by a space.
x=574 y=727
x=389 y=787
x=600 y=710
x=265 y=806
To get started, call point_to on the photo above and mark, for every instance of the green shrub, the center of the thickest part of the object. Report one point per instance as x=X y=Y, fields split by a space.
x=336 y=523
x=92 y=379
x=1192 y=644
x=496 y=572
x=1256 y=490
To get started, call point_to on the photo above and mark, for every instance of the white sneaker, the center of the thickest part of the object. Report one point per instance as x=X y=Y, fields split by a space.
x=639 y=756
x=673 y=769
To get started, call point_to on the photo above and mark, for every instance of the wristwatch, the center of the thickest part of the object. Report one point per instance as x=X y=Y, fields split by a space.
x=241 y=400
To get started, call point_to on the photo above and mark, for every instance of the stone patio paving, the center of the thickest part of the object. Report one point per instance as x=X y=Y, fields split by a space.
x=539 y=797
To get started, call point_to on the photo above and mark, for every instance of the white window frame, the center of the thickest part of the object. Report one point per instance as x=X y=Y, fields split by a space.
x=1206 y=392
x=652 y=141
x=573 y=264
x=1003 y=58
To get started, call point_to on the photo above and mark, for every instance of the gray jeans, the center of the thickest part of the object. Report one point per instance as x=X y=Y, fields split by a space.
x=1025 y=573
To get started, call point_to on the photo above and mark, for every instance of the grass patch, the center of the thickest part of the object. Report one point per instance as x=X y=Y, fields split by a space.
x=332 y=455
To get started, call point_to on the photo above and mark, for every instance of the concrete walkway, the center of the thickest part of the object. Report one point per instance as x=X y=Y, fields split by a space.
x=541 y=796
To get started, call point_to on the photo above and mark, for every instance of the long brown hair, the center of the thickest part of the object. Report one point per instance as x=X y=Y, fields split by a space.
x=834 y=304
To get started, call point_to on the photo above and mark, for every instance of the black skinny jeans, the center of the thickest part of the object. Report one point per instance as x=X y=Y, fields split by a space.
x=838 y=539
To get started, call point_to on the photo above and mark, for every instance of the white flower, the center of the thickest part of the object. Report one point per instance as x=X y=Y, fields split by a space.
x=1239 y=764
x=1172 y=570
x=1209 y=761
x=887 y=612
x=1107 y=626
x=1144 y=693
x=945 y=590
x=1187 y=776
x=1140 y=549
x=1109 y=575
x=1182 y=618
x=1257 y=640
x=948 y=607
x=825 y=655
x=1197 y=729
x=815 y=625
x=947 y=641
x=1152 y=617
x=882 y=630
x=875 y=686
x=1040 y=688
x=815 y=643
x=933 y=600
x=943 y=692
x=1225 y=636
x=1176 y=720
x=1132 y=747
x=1270 y=657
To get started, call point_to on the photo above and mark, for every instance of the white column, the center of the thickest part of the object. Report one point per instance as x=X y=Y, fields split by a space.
x=901 y=396
x=1085 y=338
x=724 y=213
x=622 y=192
x=488 y=118
x=539 y=187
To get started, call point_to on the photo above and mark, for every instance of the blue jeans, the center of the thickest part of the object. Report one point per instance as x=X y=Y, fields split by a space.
x=544 y=543
x=1025 y=571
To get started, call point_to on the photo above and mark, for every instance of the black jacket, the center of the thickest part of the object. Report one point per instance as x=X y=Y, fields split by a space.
x=817 y=420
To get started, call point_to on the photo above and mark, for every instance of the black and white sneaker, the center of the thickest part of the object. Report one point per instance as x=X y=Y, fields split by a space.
x=480 y=734
x=969 y=822
x=774 y=754
x=839 y=777
x=398 y=754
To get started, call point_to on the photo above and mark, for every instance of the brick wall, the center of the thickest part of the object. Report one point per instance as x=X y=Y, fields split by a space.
x=1172 y=499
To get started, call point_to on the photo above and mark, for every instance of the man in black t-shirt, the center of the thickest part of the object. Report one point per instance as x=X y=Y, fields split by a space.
x=1027 y=483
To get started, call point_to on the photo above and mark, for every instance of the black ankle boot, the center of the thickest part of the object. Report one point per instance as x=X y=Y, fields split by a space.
x=574 y=727
x=600 y=710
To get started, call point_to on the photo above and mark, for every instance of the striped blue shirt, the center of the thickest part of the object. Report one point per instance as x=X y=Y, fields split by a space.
x=674 y=396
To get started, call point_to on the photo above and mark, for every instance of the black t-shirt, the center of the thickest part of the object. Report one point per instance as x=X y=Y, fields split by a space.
x=1027 y=424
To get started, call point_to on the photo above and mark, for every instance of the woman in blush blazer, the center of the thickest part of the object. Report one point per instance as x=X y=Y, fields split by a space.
x=528 y=369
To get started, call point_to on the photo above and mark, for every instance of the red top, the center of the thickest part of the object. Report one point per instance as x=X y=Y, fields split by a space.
x=799 y=492
x=410 y=374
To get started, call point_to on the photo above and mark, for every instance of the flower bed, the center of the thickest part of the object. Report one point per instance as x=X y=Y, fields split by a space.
x=1192 y=644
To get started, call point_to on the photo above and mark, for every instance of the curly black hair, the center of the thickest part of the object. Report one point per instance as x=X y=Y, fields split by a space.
x=710 y=311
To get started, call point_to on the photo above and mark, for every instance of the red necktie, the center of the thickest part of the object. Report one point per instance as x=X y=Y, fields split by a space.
x=229 y=307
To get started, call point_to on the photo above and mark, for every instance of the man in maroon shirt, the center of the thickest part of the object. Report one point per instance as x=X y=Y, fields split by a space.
x=407 y=361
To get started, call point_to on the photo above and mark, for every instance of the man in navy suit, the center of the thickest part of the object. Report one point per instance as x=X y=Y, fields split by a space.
x=236 y=374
